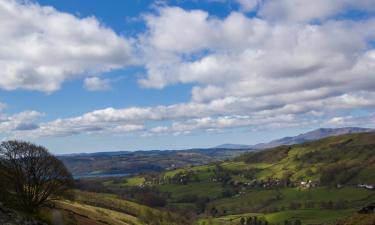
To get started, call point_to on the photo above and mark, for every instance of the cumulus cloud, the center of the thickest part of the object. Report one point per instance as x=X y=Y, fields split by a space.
x=300 y=65
x=276 y=62
x=97 y=84
x=259 y=69
x=26 y=120
x=307 y=11
x=248 y=5
x=185 y=118
x=40 y=47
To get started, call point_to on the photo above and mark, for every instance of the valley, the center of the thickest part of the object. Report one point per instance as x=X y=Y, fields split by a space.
x=133 y=162
x=187 y=112
x=318 y=182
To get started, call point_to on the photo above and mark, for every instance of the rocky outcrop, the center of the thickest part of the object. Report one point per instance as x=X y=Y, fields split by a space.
x=11 y=217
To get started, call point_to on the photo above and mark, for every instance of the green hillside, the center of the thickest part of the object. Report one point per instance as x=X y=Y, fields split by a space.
x=312 y=183
x=347 y=159
x=100 y=209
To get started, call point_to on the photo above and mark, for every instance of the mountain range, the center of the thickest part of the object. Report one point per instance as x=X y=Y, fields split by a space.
x=301 y=138
x=133 y=162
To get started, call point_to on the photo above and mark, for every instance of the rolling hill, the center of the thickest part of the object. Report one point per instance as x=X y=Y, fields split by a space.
x=311 y=136
x=325 y=181
x=126 y=162
x=301 y=138
x=316 y=182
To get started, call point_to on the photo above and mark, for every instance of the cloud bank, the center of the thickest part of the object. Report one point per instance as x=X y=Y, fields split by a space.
x=295 y=63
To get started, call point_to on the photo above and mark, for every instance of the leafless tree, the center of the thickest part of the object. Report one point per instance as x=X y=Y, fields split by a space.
x=30 y=176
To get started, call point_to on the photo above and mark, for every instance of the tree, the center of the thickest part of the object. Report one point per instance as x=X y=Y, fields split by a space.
x=249 y=221
x=31 y=176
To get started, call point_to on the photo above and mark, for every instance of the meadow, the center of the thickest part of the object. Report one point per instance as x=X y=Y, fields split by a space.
x=311 y=183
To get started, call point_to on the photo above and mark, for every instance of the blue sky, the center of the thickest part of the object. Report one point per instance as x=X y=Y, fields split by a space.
x=86 y=76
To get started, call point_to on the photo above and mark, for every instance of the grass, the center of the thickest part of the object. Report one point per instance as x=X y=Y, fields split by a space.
x=230 y=219
x=201 y=189
x=302 y=162
x=135 y=181
x=263 y=199
x=111 y=201
x=308 y=216
x=88 y=214
x=203 y=168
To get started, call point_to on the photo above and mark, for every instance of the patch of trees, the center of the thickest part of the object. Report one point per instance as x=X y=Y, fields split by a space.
x=253 y=220
x=250 y=173
x=269 y=156
x=293 y=222
x=149 y=196
x=340 y=173
x=229 y=192
x=183 y=178
x=199 y=201
x=91 y=185
x=151 y=217
x=221 y=174
x=326 y=155
x=30 y=176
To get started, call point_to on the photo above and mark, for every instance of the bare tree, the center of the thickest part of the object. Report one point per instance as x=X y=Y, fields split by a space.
x=31 y=176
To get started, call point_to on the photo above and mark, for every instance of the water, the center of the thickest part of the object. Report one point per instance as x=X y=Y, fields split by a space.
x=105 y=175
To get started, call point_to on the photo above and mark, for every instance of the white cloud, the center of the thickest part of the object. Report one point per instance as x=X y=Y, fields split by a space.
x=248 y=5
x=306 y=10
x=23 y=121
x=185 y=118
x=271 y=71
x=97 y=84
x=253 y=57
x=40 y=47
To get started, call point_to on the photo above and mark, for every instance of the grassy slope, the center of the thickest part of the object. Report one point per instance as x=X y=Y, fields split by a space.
x=303 y=162
x=100 y=214
x=306 y=161
x=99 y=209
x=78 y=213
x=255 y=199
x=308 y=216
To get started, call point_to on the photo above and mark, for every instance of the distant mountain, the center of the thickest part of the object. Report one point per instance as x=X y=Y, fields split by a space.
x=232 y=146
x=127 y=162
x=309 y=136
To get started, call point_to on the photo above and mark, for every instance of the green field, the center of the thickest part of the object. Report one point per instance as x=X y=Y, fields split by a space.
x=270 y=184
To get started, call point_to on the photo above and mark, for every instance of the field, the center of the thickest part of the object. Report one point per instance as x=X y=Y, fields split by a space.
x=311 y=183
x=335 y=199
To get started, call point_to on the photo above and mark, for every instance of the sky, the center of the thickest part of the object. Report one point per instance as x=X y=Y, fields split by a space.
x=90 y=75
